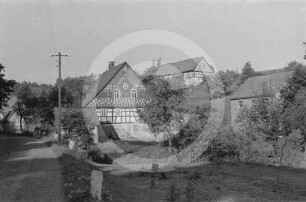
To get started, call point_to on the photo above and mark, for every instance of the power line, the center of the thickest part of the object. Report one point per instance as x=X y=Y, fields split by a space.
x=50 y=26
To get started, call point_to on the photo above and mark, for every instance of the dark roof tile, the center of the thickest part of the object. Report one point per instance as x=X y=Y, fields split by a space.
x=179 y=67
x=102 y=82
x=256 y=86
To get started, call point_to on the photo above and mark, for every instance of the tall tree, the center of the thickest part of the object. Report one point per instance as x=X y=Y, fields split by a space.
x=165 y=113
x=49 y=100
x=294 y=84
x=150 y=71
x=294 y=96
x=26 y=105
x=293 y=65
x=230 y=80
x=247 y=72
x=6 y=87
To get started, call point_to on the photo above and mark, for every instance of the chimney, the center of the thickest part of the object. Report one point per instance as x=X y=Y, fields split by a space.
x=111 y=64
x=154 y=63
x=158 y=62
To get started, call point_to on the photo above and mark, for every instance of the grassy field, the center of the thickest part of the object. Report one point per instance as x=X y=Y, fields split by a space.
x=231 y=183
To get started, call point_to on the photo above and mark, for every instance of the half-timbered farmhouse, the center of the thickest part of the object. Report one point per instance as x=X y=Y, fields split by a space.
x=119 y=92
x=192 y=70
x=118 y=95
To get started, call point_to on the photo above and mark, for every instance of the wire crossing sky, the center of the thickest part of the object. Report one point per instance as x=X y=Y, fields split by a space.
x=269 y=34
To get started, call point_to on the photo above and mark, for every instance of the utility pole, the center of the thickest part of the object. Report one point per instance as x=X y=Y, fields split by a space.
x=305 y=50
x=59 y=55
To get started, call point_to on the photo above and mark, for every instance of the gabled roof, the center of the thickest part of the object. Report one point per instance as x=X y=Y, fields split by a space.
x=103 y=80
x=179 y=67
x=255 y=86
x=7 y=117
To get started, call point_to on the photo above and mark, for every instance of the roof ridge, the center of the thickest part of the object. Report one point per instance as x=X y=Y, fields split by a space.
x=119 y=66
x=185 y=60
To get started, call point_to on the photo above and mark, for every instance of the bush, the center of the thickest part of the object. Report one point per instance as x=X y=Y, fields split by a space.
x=189 y=192
x=195 y=175
x=97 y=156
x=173 y=193
x=27 y=134
x=193 y=128
x=254 y=150
x=288 y=150
x=223 y=146
x=74 y=123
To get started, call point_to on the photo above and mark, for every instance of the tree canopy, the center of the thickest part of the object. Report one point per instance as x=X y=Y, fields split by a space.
x=166 y=109
x=26 y=105
x=6 y=87
x=247 y=72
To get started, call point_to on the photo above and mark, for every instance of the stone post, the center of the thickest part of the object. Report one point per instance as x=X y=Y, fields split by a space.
x=96 y=184
x=95 y=135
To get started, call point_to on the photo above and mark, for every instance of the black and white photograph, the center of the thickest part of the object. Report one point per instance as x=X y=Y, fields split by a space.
x=152 y=100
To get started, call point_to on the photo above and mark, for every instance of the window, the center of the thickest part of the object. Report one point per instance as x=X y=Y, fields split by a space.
x=103 y=112
x=117 y=94
x=134 y=94
x=117 y=112
x=240 y=103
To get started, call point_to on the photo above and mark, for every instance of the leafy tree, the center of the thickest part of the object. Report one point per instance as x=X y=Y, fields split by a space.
x=150 y=71
x=194 y=127
x=26 y=105
x=263 y=117
x=78 y=87
x=293 y=65
x=165 y=113
x=215 y=85
x=247 y=72
x=49 y=100
x=294 y=116
x=294 y=96
x=294 y=84
x=66 y=97
x=76 y=126
x=230 y=80
x=6 y=87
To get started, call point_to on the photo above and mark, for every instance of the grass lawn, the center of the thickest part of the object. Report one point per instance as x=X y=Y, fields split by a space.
x=231 y=183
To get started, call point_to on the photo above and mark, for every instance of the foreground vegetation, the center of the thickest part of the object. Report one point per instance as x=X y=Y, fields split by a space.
x=230 y=183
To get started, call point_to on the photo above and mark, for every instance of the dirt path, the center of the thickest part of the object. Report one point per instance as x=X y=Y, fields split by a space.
x=29 y=171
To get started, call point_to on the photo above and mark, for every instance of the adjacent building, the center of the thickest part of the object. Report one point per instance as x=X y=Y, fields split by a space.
x=193 y=70
x=252 y=88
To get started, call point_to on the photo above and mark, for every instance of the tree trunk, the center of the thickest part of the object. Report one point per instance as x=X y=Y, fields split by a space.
x=280 y=161
x=170 y=146
x=170 y=143
x=20 y=122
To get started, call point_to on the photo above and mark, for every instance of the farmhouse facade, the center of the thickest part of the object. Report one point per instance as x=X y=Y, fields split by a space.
x=118 y=95
x=267 y=86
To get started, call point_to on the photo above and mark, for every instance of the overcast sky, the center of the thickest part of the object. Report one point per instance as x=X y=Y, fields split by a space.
x=268 y=34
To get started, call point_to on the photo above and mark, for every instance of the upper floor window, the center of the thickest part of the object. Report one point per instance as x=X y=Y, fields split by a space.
x=117 y=94
x=103 y=112
x=118 y=112
x=240 y=103
x=134 y=94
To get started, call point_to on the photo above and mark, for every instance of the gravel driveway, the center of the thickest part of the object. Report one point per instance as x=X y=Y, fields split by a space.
x=29 y=171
